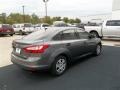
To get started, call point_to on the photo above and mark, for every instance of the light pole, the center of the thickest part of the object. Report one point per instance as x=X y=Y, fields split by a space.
x=23 y=13
x=45 y=1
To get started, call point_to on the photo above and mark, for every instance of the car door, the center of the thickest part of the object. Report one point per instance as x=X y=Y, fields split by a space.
x=73 y=43
x=112 y=28
x=89 y=43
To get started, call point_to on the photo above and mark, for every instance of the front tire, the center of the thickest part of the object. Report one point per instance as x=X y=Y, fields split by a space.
x=98 y=50
x=20 y=32
x=59 y=66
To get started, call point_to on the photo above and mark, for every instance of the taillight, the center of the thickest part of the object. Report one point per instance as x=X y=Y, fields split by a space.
x=1 y=30
x=36 y=48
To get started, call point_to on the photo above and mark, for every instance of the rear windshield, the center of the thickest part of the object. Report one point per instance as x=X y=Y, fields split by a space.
x=38 y=35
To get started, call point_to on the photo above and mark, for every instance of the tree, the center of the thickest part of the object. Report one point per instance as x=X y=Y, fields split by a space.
x=77 y=20
x=72 y=21
x=34 y=19
x=3 y=18
x=66 y=19
x=56 y=19
x=16 y=17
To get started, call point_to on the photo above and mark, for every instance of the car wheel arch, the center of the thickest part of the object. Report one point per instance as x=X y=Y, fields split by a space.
x=57 y=53
x=94 y=32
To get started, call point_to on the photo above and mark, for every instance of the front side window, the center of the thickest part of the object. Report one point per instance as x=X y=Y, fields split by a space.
x=66 y=35
x=69 y=35
x=113 y=23
x=58 y=37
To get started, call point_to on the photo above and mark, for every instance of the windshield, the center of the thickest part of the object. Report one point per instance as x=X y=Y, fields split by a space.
x=27 y=25
x=6 y=26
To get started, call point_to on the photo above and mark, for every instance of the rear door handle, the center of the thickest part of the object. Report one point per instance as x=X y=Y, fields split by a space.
x=68 y=44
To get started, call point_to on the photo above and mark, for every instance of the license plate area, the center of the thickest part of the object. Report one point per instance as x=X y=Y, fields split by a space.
x=18 y=50
x=8 y=30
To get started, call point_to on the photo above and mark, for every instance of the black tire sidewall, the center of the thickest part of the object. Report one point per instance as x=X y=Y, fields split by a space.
x=20 y=32
x=96 y=50
x=11 y=34
x=53 y=67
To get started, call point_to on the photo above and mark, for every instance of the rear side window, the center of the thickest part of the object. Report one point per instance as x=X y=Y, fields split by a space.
x=65 y=35
x=58 y=36
x=82 y=34
x=113 y=23
x=69 y=35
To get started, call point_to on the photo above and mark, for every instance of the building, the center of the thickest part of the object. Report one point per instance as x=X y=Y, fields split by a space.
x=115 y=14
x=96 y=18
x=116 y=9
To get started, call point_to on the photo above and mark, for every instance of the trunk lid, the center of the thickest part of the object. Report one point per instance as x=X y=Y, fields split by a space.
x=18 y=46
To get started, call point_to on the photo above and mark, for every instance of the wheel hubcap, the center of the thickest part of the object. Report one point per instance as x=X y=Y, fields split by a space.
x=61 y=65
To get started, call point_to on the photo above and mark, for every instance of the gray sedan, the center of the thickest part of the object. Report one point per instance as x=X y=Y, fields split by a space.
x=54 y=49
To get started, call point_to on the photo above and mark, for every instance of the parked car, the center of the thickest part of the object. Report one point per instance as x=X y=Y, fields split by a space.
x=23 y=28
x=59 y=24
x=41 y=26
x=53 y=49
x=109 y=28
x=6 y=29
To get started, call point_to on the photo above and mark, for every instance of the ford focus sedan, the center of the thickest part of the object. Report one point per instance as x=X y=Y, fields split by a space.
x=53 y=49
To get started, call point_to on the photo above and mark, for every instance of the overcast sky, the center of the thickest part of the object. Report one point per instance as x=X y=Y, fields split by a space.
x=70 y=8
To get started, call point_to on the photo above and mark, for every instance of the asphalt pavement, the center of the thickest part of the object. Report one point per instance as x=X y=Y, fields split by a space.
x=89 y=73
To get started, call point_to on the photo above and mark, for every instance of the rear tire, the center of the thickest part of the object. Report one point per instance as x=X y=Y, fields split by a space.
x=11 y=34
x=59 y=66
x=20 y=32
x=98 y=50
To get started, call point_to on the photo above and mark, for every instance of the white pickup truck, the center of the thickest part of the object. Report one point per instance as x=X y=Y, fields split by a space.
x=41 y=26
x=23 y=28
x=109 y=29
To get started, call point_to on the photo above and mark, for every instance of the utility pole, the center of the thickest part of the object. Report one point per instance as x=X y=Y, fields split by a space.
x=46 y=14
x=23 y=13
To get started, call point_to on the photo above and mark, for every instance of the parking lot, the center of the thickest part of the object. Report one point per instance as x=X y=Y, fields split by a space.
x=91 y=73
x=6 y=47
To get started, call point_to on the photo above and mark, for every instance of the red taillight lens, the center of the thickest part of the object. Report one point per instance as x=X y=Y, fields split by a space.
x=1 y=30
x=36 y=48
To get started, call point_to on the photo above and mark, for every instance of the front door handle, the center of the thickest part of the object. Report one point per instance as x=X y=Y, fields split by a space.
x=68 y=44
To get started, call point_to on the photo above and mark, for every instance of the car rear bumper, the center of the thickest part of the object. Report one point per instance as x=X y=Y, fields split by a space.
x=36 y=64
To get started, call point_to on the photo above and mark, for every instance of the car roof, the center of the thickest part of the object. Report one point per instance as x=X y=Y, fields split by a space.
x=62 y=28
